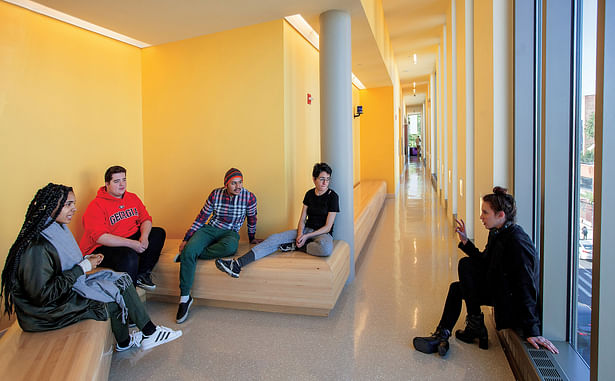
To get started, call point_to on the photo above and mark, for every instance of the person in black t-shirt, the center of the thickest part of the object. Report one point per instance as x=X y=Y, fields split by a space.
x=314 y=231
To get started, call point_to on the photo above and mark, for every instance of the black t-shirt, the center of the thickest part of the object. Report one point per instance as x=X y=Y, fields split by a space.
x=318 y=207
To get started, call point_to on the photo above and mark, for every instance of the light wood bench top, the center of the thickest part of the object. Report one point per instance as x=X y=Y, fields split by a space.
x=80 y=351
x=292 y=282
x=364 y=193
x=369 y=197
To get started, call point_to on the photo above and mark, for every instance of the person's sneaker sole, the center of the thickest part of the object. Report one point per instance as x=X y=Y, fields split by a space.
x=423 y=346
x=146 y=287
x=225 y=269
x=183 y=318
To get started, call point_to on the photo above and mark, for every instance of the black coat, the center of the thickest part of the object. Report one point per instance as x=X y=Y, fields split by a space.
x=512 y=278
x=44 y=298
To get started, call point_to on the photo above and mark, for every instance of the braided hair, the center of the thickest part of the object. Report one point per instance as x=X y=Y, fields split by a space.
x=500 y=200
x=47 y=203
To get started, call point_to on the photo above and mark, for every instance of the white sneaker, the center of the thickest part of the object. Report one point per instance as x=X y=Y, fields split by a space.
x=160 y=336
x=136 y=338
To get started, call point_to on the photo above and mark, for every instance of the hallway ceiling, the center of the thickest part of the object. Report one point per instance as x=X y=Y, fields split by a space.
x=414 y=26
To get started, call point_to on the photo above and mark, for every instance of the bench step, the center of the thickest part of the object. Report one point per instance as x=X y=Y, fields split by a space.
x=80 y=351
x=294 y=282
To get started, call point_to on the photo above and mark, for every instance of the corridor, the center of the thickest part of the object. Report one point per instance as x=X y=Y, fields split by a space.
x=401 y=281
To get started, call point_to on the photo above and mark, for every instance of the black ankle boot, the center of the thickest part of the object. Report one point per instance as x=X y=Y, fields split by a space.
x=437 y=342
x=475 y=328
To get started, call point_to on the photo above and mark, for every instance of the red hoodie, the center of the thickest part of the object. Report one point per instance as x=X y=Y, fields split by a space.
x=107 y=214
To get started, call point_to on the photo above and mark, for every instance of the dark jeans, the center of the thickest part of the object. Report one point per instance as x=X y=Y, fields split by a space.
x=136 y=313
x=471 y=287
x=125 y=259
x=208 y=242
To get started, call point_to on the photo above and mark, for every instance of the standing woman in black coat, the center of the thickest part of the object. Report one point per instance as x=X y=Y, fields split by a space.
x=504 y=275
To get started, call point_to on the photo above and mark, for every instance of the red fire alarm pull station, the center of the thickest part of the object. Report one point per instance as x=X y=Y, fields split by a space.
x=309 y=98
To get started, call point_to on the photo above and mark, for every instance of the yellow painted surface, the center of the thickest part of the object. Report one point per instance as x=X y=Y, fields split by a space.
x=301 y=121
x=375 y=16
x=483 y=110
x=356 y=137
x=377 y=136
x=70 y=106
x=230 y=99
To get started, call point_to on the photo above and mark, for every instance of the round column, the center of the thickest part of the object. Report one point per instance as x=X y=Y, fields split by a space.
x=336 y=118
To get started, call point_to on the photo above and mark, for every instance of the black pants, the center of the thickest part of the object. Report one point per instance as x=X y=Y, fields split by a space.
x=125 y=259
x=471 y=287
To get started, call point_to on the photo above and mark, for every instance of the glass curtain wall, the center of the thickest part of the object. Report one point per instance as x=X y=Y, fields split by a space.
x=584 y=180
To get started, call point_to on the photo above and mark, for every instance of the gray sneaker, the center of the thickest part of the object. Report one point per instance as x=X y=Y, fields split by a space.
x=286 y=247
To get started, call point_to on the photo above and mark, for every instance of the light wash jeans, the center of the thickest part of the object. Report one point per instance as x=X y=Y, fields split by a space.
x=319 y=246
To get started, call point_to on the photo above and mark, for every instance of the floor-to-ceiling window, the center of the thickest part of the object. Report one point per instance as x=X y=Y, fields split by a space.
x=583 y=222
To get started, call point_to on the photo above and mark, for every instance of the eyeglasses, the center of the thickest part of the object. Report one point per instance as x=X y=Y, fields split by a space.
x=324 y=179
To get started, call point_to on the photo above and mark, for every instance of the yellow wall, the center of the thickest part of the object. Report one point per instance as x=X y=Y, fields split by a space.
x=302 y=121
x=377 y=136
x=70 y=106
x=230 y=99
x=483 y=109
x=356 y=137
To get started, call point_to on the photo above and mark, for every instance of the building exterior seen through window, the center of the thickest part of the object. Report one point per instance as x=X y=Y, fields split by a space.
x=585 y=177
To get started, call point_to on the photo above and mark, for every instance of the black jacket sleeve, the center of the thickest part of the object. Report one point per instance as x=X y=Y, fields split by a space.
x=40 y=276
x=524 y=283
x=471 y=250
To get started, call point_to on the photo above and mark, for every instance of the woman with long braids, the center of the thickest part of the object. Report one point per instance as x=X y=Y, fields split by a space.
x=44 y=279
x=504 y=275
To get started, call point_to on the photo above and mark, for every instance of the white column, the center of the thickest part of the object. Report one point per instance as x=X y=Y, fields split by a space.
x=336 y=118
x=453 y=121
x=432 y=124
x=469 y=45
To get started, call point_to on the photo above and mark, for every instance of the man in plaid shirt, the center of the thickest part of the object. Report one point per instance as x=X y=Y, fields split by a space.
x=228 y=207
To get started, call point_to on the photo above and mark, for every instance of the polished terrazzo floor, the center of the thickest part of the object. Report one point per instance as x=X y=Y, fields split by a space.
x=401 y=282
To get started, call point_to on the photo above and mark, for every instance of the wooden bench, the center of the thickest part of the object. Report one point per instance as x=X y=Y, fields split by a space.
x=369 y=197
x=81 y=351
x=294 y=282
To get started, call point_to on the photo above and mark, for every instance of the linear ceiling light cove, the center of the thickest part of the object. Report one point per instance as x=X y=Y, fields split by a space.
x=49 y=12
x=306 y=30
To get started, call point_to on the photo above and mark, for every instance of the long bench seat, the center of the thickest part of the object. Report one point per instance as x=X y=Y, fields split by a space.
x=369 y=197
x=294 y=282
x=81 y=351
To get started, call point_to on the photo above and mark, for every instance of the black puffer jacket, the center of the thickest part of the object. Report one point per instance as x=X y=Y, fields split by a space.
x=44 y=299
x=512 y=276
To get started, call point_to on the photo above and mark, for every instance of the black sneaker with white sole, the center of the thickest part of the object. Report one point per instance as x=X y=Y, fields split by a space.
x=285 y=247
x=145 y=282
x=229 y=266
x=182 y=311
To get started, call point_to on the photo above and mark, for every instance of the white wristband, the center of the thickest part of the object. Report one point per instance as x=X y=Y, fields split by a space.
x=85 y=265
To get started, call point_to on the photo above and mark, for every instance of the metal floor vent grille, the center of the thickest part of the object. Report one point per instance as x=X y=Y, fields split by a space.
x=548 y=370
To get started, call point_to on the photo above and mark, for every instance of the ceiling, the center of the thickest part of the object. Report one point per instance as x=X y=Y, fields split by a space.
x=414 y=27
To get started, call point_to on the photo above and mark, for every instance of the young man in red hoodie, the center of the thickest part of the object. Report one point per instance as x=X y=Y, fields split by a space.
x=118 y=225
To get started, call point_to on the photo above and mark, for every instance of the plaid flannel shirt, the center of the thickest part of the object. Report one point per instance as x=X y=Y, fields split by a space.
x=227 y=212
